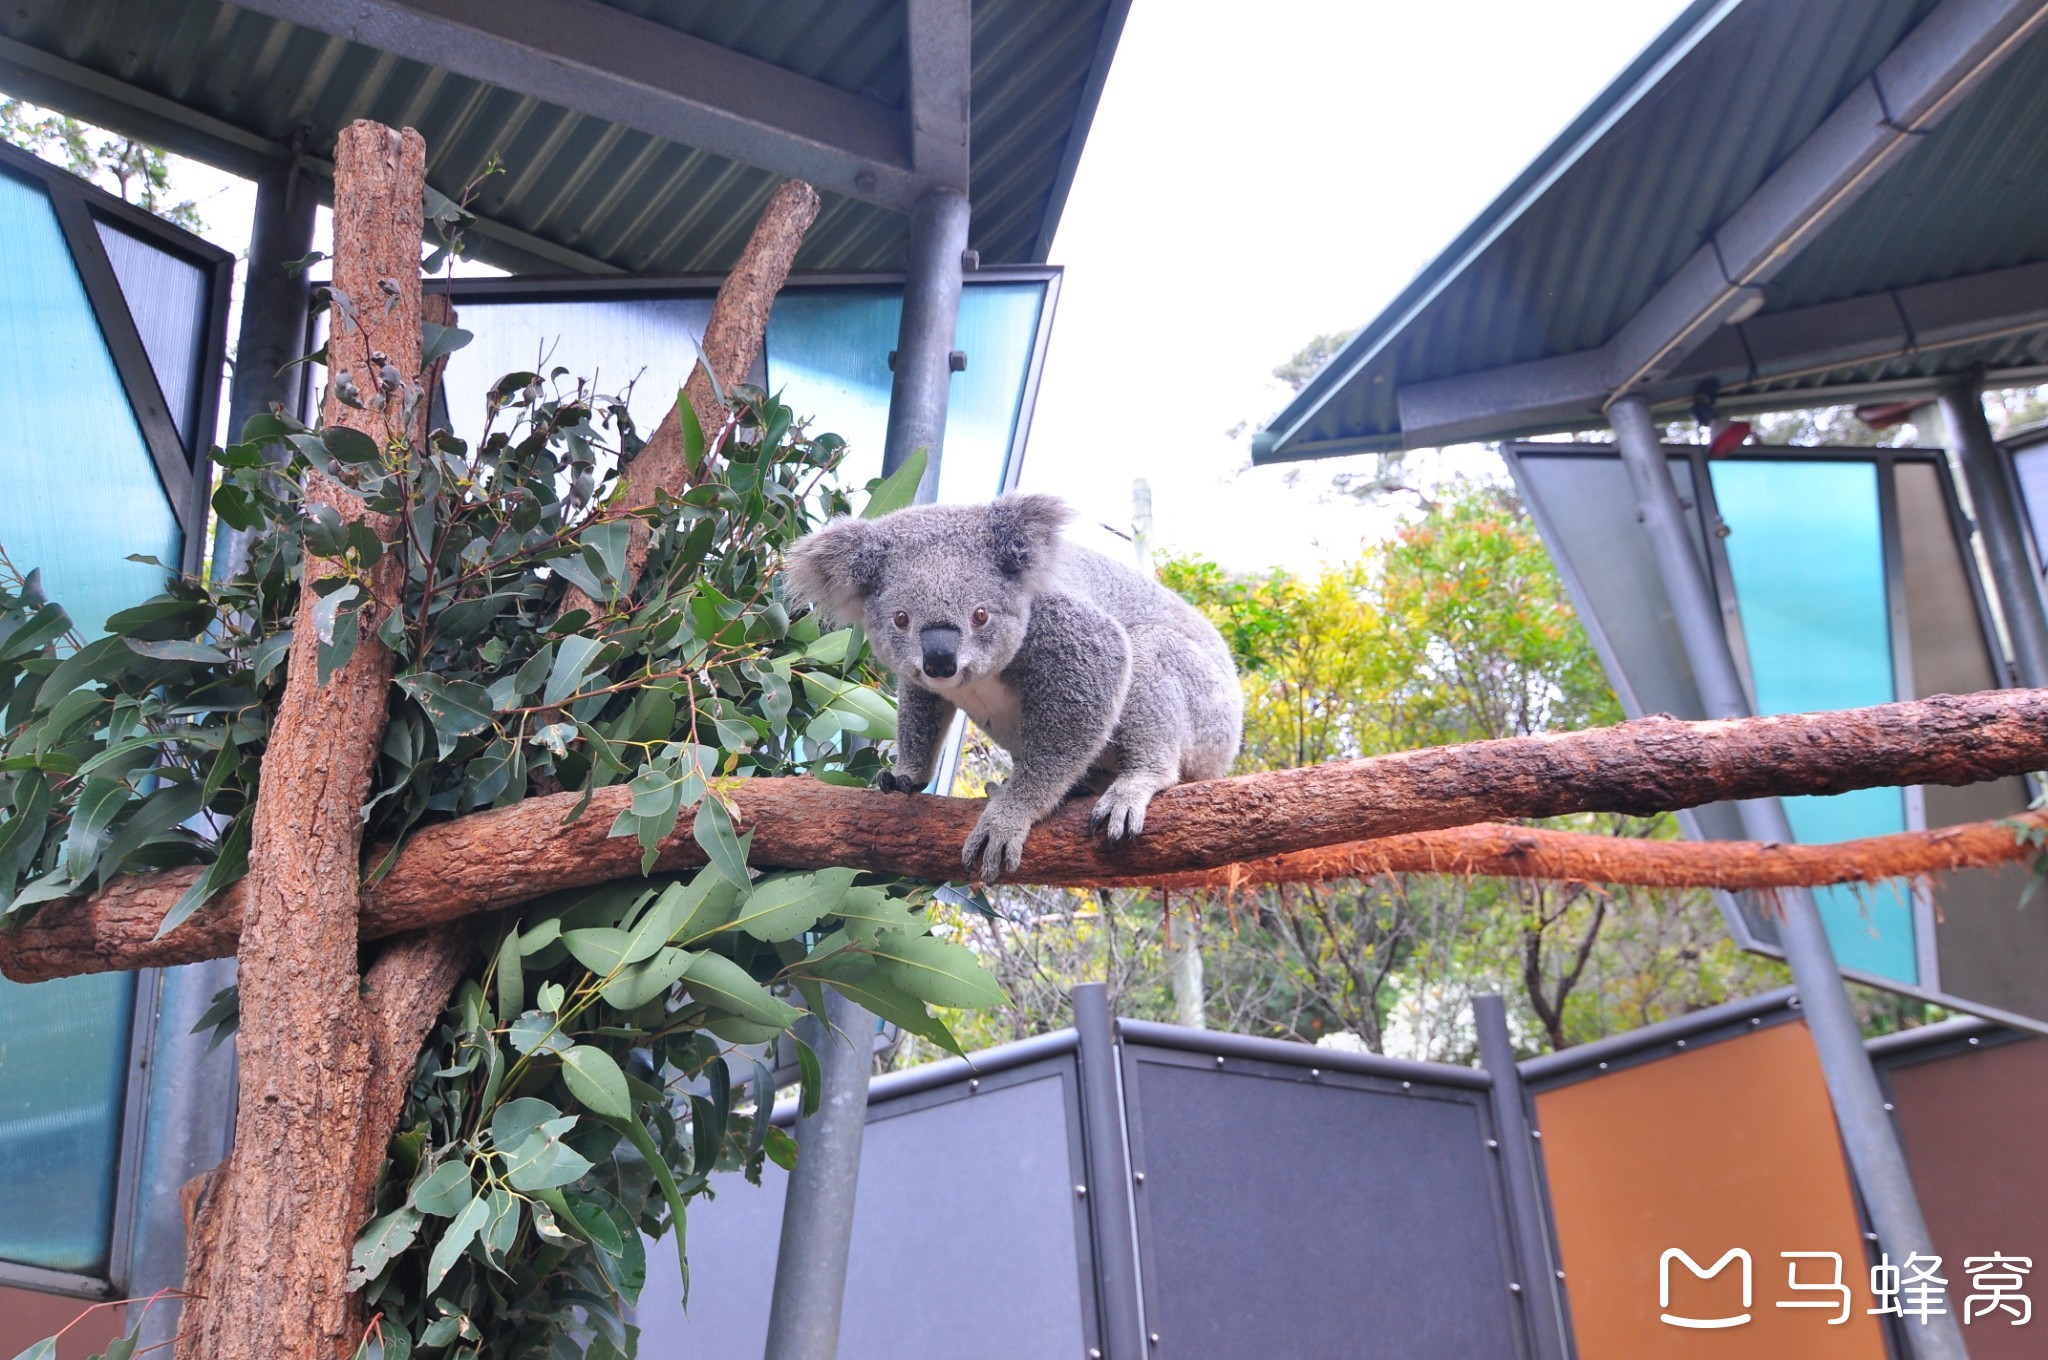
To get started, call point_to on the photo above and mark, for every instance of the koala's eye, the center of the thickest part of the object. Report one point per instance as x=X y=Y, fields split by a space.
x=902 y=619
x=980 y=616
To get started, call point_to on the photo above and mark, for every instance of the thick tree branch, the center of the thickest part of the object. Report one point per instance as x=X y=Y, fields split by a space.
x=510 y=855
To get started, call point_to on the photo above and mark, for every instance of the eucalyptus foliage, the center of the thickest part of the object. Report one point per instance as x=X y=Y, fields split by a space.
x=601 y=1064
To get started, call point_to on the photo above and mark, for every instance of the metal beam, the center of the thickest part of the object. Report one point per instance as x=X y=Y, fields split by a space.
x=940 y=36
x=1906 y=96
x=1872 y=1145
x=1107 y=1191
x=603 y=61
x=2001 y=527
x=1775 y=347
x=1527 y=1212
x=919 y=392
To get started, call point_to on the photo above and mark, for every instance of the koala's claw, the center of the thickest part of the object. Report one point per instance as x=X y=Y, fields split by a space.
x=1120 y=813
x=888 y=781
x=996 y=846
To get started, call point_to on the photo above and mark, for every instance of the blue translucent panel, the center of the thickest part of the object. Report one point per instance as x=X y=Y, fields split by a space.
x=1807 y=555
x=828 y=355
x=77 y=494
x=63 y=1066
x=647 y=344
x=167 y=296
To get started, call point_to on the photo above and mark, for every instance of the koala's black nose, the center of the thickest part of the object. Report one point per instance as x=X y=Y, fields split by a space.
x=941 y=650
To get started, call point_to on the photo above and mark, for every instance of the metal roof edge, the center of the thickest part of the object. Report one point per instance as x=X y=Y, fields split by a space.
x=1625 y=91
x=1084 y=123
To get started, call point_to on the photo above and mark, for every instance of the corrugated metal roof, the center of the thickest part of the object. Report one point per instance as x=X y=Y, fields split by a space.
x=587 y=185
x=1568 y=255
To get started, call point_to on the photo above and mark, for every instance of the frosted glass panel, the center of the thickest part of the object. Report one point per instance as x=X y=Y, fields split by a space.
x=166 y=295
x=649 y=344
x=1805 y=550
x=63 y=1064
x=77 y=494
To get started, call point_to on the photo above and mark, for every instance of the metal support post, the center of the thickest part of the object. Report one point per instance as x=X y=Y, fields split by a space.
x=817 y=1212
x=1108 y=1189
x=275 y=305
x=2000 y=529
x=924 y=340
x=1539 y=1291
x=817 y=1215
x=1875 y=1157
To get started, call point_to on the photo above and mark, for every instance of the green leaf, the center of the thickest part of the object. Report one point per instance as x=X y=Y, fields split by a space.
x=896 y=490
x=511 y=980
x=347 y=445
x=46 y=1349
x=501 y=1230
x=445 y=1190
x=595 y=1079
x=438 y=341
x=385 y=1237
x=713 y=831
x=578 y=652
x=457 y=708
x=156 y=819
x=706 y=905
x=543 y=1161
x=869 y=911
x=453 y=1242
x=99 y=802
x=590 y=1219
x=537 y=1031
x=784 y=906
x=719 y=981
x=601 y=949
x=604 y=549
x=831 y=649
x=860 y=981
x=811 y=1078
x=639 y=983
x=937 y=971
x=180 y=651
x=516 y=1120
x=692 y=429
x=572 y=569
x=636 y=1134
x=231 y=863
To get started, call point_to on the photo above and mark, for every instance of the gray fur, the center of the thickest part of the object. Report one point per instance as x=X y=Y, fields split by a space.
x=1091 y=676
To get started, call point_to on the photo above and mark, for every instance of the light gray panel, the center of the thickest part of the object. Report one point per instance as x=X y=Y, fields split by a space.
x=167 y=296
x=965 y=1241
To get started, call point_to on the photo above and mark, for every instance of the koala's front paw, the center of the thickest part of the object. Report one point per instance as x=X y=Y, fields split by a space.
x=888 y=781
x=1120 y=812
x=997 y=843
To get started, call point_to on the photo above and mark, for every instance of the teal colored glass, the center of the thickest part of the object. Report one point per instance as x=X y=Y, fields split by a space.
x=78 y=493
x=828 y=356
x=1806 y=549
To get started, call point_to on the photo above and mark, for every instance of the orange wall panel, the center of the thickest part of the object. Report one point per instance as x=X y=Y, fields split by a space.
x=26 y=1317
x=1727 y=1145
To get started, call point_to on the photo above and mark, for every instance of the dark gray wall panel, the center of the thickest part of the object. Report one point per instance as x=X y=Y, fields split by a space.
x=966 y=1239
x=1317 y=1218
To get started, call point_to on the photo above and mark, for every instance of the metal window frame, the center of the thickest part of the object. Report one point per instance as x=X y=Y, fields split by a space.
x=1884 y=460
x=1141 y=1042
x=186 y=474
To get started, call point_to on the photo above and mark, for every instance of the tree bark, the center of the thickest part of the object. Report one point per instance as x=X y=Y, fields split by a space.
x=511 y=855
x=732 y=342
x=272 y=1242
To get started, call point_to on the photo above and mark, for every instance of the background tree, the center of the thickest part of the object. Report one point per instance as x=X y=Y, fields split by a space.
x=134 y=171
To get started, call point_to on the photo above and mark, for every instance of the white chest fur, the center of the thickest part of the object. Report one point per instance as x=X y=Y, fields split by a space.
x=994 y=707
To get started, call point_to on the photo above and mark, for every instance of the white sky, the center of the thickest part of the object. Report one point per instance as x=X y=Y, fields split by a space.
x=1255 y=178
x=1250 y=182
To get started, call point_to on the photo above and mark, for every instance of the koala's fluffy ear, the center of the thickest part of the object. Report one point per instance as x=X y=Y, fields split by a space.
x=1024 y=531
x=838 y=567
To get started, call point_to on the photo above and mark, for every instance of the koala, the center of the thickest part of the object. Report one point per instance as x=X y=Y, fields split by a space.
x=1094 y=678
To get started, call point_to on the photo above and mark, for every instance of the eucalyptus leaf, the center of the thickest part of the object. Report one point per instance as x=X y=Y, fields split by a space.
x=784 y=906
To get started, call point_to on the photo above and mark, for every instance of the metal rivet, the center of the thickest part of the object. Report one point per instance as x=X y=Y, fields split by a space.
x=974 y=1084
x=1095 y=1353
x=1535 y=1133
x=970 y=260
x=1560 y=1274
x=1681 y=1043
x=1973 y=1043
x=1219 y=1060
x=1603 y=1067
x=1887 y=1105
x=1870 y=1237
x=957 y=360
x=1138 y=1176
x=1153 y=1338
x=1407 y=1085
x=865 y=181
x=1514 y=1288
x=1756 y=1020
x=1793 y=1003
x=1081 y=1190
x=1492 y=1144
x=1315 y=1074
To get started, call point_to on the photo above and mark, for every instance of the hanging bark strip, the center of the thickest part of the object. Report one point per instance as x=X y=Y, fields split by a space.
x=732 y=342
x=510 y=855
x=270 y=1265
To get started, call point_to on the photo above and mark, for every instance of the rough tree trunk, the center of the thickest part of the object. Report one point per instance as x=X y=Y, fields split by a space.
x=732 y=342
x=510 y=855
x=269 y=1264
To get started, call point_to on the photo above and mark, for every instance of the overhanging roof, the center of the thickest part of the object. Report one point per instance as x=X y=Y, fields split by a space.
x=1859 y=179
x=635 y=135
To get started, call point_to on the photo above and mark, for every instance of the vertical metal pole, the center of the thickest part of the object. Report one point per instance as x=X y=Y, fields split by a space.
x=1876 y=1158
x=275 y=304
x=1525 y=1188
x=2000 y=529
x=817 y=1209
x=1108 y=1189
x=817 y=1216
x=924 y=339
